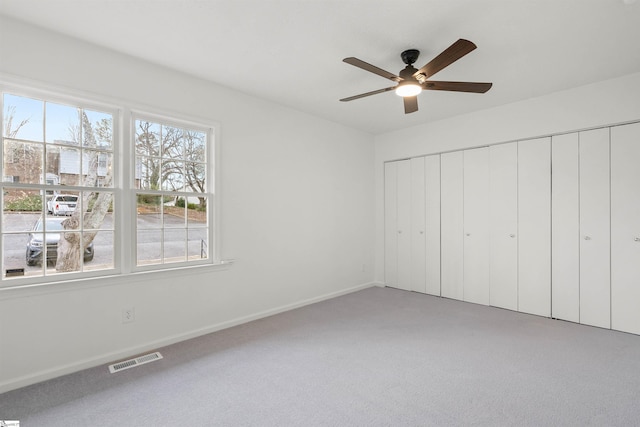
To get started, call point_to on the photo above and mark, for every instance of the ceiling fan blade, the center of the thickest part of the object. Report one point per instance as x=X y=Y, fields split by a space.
x=362 y=95
x=410 y=104
x=371 y=68
x=457 y=86
x=447 y=57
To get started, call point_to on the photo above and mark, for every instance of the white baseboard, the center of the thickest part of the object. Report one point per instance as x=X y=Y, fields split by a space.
x=79 y=365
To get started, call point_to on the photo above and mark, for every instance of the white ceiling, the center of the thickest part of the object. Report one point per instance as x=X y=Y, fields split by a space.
x=291 y=51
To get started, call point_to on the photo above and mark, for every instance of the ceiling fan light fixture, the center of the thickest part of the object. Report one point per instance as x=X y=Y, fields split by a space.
x=408 y=88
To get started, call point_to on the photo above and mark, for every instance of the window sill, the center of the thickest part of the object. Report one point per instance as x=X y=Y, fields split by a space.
x=30 y=290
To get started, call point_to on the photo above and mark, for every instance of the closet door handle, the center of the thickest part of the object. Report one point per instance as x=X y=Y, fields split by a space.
x=512 y=235
x=637 y=239
x=587 y=237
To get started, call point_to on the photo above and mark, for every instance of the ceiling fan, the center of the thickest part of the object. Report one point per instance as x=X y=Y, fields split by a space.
x=412 y=81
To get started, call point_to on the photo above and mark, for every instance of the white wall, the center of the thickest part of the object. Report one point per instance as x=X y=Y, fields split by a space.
x=608 y=102
x=297 y=202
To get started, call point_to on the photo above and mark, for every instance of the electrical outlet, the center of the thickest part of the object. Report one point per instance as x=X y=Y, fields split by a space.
x=128 y=315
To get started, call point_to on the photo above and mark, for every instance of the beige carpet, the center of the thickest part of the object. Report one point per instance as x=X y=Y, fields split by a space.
x=379 y=357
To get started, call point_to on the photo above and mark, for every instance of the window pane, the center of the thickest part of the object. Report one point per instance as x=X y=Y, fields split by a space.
x=62 y=124
x=197 y=212
x=64 y=248
x=14 y=255
x=175 y=248
x=98 y=210
x=21 y=208
x=22 y=162
x=195 y=146
x=97 y=167
x=195 y=177
x=147 y=138
x=149 y=247
x=149 y=211
x=23 y=118
x=198 y=245
x=172 y=143
x=97 y=130
x=100 y=255
x=172 y=175
x=63 y=166
x=148 y=173
x=174 y=213
x=63 y=204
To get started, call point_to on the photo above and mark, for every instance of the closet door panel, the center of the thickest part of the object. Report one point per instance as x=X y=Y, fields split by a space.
x=595 y=262
x=565 y=228
x=404 y=224
x=625 y=228
x=390 y=224
x=451 y=174
x=503 y=205
x=432 y=227
x=534 y=226
x=418 y=217
x=476 y=226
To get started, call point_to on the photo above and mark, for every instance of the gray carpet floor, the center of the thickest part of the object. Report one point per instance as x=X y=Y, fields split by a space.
x=378 y=357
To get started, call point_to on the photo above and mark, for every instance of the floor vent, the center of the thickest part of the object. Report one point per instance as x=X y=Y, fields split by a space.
x=132 y=363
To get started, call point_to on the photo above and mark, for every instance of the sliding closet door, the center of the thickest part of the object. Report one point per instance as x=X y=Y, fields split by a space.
x=397 y=214
x=404 y=225
x=625 y=228
x=432 y=227
x=595 y=288
x=476 y=226
x=503 y=208
x=418 y=218
x=451 y=174
x=534 y=226
x=565 y=228
x=390 y=223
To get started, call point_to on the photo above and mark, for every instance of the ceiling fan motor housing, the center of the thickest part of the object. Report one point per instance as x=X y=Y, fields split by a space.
x=410 y=56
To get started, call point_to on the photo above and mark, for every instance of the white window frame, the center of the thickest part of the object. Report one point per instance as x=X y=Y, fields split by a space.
x=210 y=193
x=124 y=193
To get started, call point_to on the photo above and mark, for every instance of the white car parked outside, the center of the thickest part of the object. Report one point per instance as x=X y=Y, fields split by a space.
x=62 y=204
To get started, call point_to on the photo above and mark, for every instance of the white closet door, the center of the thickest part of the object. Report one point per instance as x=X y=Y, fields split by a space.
x=451 y=175
x=595 y=262
x=565 y=228
x=404 y=225
x=534 y=226
x=625 y=228
x=503 y=205
x=432 y=228
x=418 y=217
x=476 y=226
x=390 y=224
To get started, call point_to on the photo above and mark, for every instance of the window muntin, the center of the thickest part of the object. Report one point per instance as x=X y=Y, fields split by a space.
x=170 y=178
x=55 y=149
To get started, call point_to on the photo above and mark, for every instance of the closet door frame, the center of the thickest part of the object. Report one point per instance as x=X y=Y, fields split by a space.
x=503 y=229
x=534 y=226
x=451 y=226
x=595 y=229
x=625 y=228
x=476 y=225
x=565 y=227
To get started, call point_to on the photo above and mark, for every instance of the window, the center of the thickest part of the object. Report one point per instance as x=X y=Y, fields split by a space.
x=171 y=192
x=67 y=201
